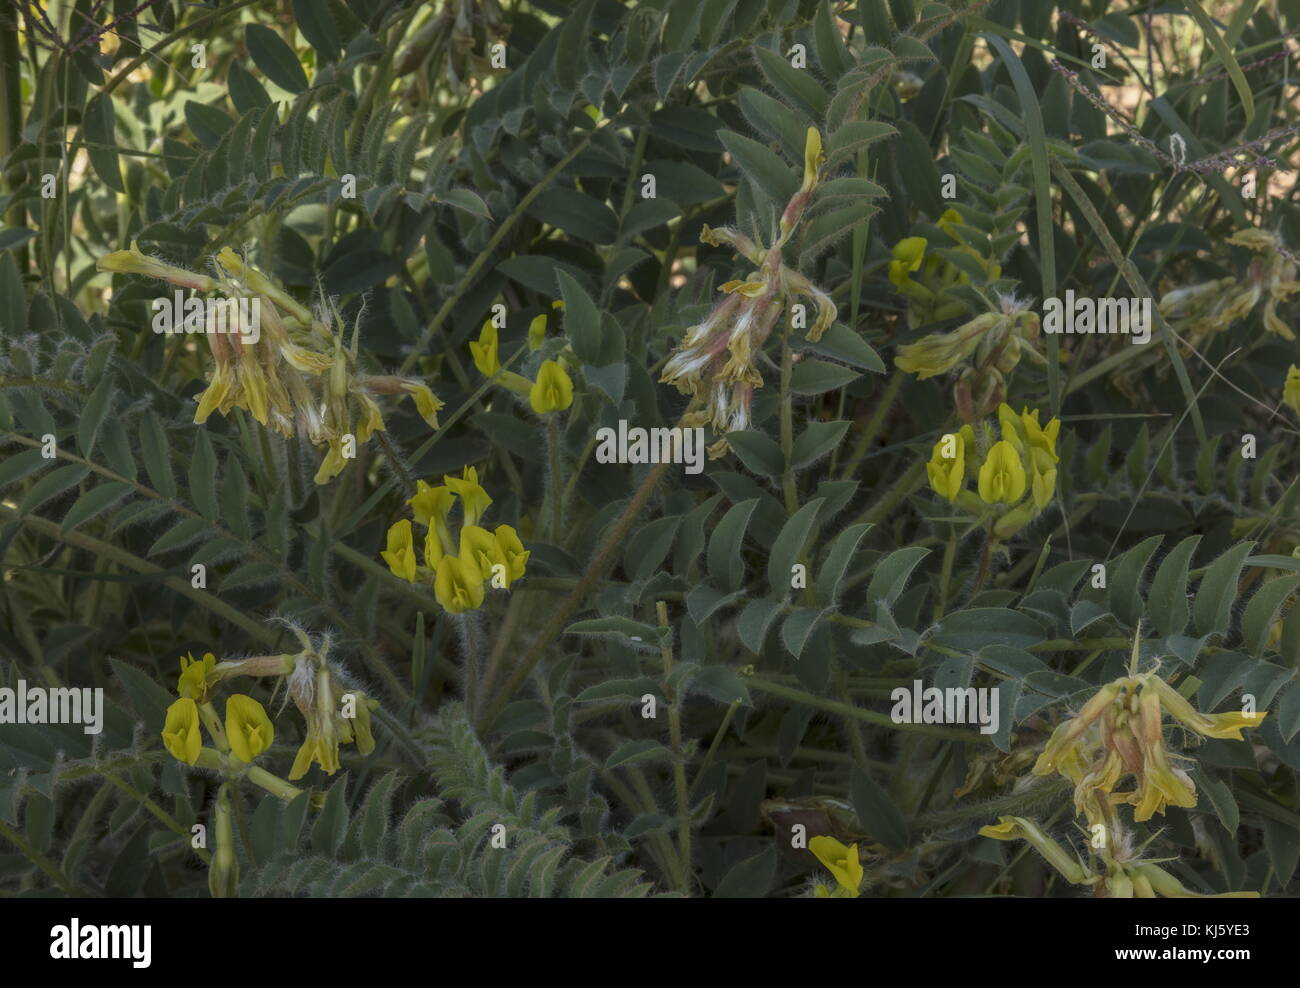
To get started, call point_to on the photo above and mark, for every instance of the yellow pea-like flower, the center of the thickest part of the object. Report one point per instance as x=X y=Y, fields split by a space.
x=248 y=727
x=513 y=550
x=481 y=546
x=553 y=389
x=948 y=473
x=193 y=682
x=908 y=254
x=458 y=584
x=537 y=332
x=400 y=554
x=474 y=499
x=426 y=402
x=1002 y=477
x=484 y=350
x=180 y=732
x=842 y=862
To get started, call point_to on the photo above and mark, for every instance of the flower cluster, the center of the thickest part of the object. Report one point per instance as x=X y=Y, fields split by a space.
x=550 y=391
x=1119 y=733
x=992 y=342
x=458 y=565
x=295 y=374
x=1022 y=462
x=716 y=362
x=926 y=278
x=334 y=714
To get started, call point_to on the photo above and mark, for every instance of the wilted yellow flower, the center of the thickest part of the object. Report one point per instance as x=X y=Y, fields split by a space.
x=458 y=584
x=400 y=554
x=1002 y=477
x=948 y=473
x=484 y=350
x=474 y=499
x=318 y=749
x=842 y=862
x=180 y=732
x=426 y=403
x=553 y=389
x=193 y=682
x=248 y=727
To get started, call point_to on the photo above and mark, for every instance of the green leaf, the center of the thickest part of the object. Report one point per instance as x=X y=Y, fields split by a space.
x=976 y=627
x=1167 y=603
x=316 y=22
x=762 y=165
x=52 y=484
x=889 y=578
x=831 y=573
x=877 y=812
x=640 y=750
x=203 y=477
x=816 y=441
x=584 y=217
x=275 y=59
x=1218 y=589
x=331 y=826
x=468 y=201
x=97 y=128
x=181 y=534
x=726 y=564
x=581 y=318
x=855 y=136
x=1225 y=56
x=1220 y=797
x=153 y=449
x=621 y=627
x=94 y=501
x=755 y=621
x=1125 y=580
x=789 y=544
x=749 y=879
x=247 y=94
x=758 y=451
x=796 y=86
x=814 y=377
x=93 y=414
x=1261 y=611
x=774 y=119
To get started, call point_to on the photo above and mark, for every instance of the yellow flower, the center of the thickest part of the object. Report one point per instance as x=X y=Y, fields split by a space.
x=474 y=499
x=214 y=394
x=248 y=727
x=193 y=682
x=946 y=221
x=553 y=389
x=514 y=551
x=485 y=350
x=908 y=254
x=323 y=751
x=333 y=463
x=948 y=473
x=1019 y=828
x=842 y=862
x=433 y=549
x=181 y=731
x=458 y=584
x=1170 y=887
x=400 y=554
x=1002 y=477
x=1291 y=391
x=357 y=727
x=939 y=352
x=431 y=505
x=479 y=545
x=426 y=403
x=537 y=332
x=372 y=422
